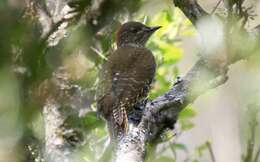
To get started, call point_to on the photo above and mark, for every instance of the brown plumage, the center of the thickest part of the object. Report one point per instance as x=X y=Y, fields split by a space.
x=126 y=76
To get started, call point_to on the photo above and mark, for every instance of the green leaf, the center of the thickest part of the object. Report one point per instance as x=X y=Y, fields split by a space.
x=186 y=125
x=164 y=159
x=175 y=72
x=171 y=54
x=179 y=146
x=188 y=112
x=92 y=121
x=185 y=116
x=201 y=149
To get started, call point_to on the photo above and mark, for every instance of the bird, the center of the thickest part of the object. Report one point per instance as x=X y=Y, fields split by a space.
x=125 y=77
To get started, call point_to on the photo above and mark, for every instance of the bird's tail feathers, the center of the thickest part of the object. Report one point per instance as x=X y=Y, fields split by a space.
x=120 y=120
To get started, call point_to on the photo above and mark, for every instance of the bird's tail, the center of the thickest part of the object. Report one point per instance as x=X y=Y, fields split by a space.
x=119 y=122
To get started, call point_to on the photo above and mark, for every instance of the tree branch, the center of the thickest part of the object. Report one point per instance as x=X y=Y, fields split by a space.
x=132 y=147
x=54 y=142
x=61 y=139
x=54 y=18
x=192 y=10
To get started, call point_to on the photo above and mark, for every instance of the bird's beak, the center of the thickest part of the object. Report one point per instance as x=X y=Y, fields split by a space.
x=154 y=28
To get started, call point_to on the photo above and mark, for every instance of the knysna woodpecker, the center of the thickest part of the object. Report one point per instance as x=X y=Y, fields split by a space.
x=126 y=76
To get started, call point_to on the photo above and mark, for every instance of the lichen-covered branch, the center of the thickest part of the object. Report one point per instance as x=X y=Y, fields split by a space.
x=132 y=147
x=54 y=18
x=55 y=145
x=61 y=139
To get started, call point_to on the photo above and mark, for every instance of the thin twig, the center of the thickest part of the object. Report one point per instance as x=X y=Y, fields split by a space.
x=98 y=53
x=216 y=7
x=257 y=155
x=213 y=159
x=52 y=30
x=251 y=141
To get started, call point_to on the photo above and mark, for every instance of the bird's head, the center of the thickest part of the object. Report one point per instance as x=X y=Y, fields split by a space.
x=134 y=33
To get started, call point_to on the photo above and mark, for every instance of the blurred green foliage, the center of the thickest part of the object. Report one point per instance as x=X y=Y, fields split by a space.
x=166 y=46
x=26 y=62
